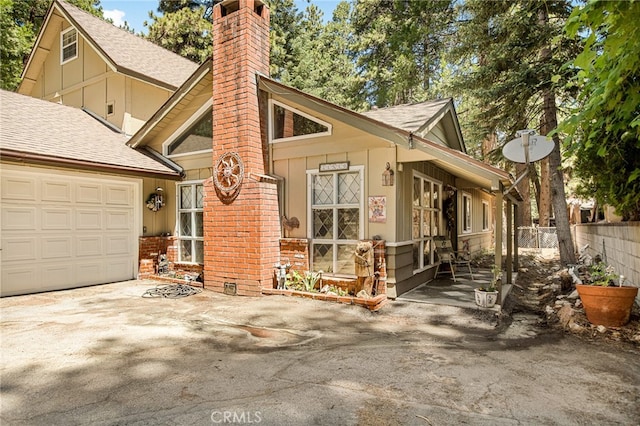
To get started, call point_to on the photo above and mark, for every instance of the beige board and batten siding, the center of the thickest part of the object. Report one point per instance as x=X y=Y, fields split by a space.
x=88 y=82
x=292 y=160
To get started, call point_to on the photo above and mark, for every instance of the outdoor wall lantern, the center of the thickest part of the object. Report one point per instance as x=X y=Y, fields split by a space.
x=155 y=201
x=387 y=176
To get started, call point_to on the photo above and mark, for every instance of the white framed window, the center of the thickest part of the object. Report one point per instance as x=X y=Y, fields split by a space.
x=287 y=123
x=336 y=219
x=68 y=45
x=190 y=205
x=486 y=215
x=426 y=219
x=466 y=212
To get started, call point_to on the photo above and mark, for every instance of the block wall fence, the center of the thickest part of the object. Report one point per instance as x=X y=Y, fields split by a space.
x=619 y=241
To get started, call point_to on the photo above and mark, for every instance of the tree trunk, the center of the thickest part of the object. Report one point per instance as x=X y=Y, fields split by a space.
x=524 y=188
x=545 y=193
x=550 y=122
x=533 y=175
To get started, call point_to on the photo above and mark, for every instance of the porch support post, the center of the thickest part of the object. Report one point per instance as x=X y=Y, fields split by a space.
x=509 y=265
x=516 y=249
x=498 y=234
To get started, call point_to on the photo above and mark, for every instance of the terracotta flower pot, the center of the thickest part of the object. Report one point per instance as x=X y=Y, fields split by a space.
x=608 y=306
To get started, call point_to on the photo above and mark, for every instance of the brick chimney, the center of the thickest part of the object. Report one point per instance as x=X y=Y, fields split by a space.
x=241 y=219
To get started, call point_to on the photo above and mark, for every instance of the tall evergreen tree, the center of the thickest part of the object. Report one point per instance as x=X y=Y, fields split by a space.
x=184 y=27
x=516 y=47
x=398 y=46
x=323 y=66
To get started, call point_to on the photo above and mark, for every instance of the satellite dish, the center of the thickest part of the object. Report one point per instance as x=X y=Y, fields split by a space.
x=539 y=147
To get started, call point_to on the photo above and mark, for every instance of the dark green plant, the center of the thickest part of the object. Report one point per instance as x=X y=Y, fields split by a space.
x=604 y=128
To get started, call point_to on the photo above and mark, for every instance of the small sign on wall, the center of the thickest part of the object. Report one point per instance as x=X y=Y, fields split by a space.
x=378 y=209
x=334 y=167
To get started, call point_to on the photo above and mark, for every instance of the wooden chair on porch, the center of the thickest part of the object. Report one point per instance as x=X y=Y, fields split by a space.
x=446 y=254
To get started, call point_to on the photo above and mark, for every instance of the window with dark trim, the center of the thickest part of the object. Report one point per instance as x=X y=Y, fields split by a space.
x=466 y=213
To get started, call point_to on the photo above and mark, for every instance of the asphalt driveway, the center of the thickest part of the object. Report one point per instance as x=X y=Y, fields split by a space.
x=105 y=355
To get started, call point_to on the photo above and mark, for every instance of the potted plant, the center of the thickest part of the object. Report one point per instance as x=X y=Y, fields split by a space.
x=605 y=299
x=487 y=296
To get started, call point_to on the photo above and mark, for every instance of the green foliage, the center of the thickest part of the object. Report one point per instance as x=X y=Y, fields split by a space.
x=397 y=48
x=604 y=128
x=601 y=274
x=323 y=66
x=20 y=22
x=304 y=282
x=184 y=31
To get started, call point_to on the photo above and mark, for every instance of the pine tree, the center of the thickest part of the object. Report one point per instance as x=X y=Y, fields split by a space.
x=515 y=48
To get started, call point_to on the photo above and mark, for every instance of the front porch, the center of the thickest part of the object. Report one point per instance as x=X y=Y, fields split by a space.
x=444 y=291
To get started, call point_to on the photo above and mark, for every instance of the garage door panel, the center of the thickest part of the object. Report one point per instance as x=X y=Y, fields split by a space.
x=90 y=245
x=62 y=229
x=90 y=272
x=118 y=244
x=118 y=219
x=118 y=195
x=18 y=218
x=57 y=275
x=58 y=219
x=19 y=280
x=19 y=248
x=87 y=220
x=88 y=193
x=56 y=247
x=119 y=269
x=18 y=188
x=56 y=191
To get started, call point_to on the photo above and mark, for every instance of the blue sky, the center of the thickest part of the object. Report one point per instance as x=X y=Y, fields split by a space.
x=135 y=12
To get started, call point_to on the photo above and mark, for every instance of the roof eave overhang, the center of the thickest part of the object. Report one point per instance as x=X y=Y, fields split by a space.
x=70 y=163
x=456 y=162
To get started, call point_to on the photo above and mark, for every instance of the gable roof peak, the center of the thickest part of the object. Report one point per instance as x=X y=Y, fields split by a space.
x=123 y=51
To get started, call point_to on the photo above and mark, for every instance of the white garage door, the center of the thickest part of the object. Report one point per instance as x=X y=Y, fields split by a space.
x=64 y=230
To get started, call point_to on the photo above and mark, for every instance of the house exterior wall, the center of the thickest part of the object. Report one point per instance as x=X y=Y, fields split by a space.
x=88 y=82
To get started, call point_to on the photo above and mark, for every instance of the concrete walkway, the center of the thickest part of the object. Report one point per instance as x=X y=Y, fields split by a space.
x=444 y=291
x=104 y=355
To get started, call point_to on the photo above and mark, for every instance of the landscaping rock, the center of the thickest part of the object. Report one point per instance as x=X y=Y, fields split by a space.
x=565 y=314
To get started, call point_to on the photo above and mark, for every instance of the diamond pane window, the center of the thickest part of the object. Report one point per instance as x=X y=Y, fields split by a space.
x=199 y=196
x=185 y=197
x=190 y=223
x=348 y=188
x=323 y=223
x=336 y=210
x=323 y=189
x=323 y=257
x=348 y=224
x=345 y=264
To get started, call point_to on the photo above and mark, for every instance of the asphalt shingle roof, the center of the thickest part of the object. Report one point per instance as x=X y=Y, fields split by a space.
x=131 y=52
x=34 y=126
x=407 y=117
